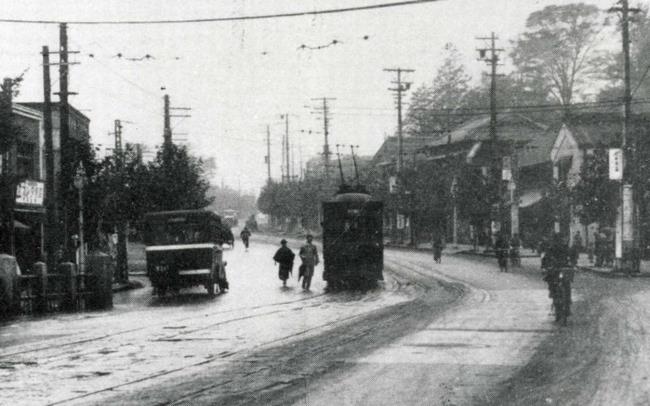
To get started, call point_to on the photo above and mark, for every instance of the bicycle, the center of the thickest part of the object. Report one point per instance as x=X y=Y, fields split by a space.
x=561 y=294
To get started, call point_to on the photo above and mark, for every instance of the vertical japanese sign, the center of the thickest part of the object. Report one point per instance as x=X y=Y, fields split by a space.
x=506 y=168
x=628 y=213
x=392 y=184
x=615 y=164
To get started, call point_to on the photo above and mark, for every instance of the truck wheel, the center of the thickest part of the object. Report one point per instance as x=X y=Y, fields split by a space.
x=210 y=286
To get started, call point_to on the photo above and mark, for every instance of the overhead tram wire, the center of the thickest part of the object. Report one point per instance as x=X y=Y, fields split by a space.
x=227 y=19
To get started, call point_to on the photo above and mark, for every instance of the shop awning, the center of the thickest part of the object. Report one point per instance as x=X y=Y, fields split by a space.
x=19 y=225
x=529 y=198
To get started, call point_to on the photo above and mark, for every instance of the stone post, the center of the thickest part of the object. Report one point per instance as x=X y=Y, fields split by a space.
x=40 y=304
x=8 y=284
x=69 y=272
x=100 y=281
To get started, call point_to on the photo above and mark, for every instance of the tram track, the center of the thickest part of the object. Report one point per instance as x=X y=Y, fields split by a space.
x=400 y=280
x=225 y=357
x=162 y=323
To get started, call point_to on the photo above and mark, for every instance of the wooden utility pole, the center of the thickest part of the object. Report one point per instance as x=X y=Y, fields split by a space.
x=286 y=146
x=402 y=87
x=122 y=224
x=67 y=160
x=627 y=232
x=268 y=153
x=490 y=56
x=167 y=132
x=51 y=235
x=325 y=111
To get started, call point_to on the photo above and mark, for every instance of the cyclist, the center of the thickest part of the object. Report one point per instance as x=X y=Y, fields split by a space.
x=245 y=236
x=556 y=262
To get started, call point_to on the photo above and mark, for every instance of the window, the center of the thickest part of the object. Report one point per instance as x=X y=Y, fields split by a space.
x=26 y=160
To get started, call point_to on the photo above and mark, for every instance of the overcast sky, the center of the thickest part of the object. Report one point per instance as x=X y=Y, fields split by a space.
x=240 y=76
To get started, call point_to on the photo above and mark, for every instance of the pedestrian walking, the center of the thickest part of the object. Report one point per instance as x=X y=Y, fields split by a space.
x=437 y=249
x=501 y=249
x=245 y=236
x=515 y=244
x=309 y=257
x=284 y=256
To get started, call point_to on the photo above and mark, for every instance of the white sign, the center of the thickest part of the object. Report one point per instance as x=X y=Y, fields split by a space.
x=400 y=221
x=615 y=164
x=628 y=213
x=506 y=169
x=392 y=184
x=30 y=192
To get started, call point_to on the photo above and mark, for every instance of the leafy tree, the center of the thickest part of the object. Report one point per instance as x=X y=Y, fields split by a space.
x=175 y=181
x=596 y=197
x=427 y=113
x=9 y=133
x=557 y=49
x=639 y=61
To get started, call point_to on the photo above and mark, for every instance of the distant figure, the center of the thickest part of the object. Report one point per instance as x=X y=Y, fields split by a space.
x=309 y=257
x=501 y=249
x=284 y=256
x=437 y=250
x=577 y=241
x=245 y=236
x=515 y=244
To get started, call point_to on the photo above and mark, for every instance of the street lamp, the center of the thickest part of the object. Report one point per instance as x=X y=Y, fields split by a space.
x=79 y=181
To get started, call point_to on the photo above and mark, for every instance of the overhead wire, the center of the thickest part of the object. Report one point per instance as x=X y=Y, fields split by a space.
x=227 y=19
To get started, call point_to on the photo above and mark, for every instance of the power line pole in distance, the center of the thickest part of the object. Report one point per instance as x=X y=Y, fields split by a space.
x=325 y=111
x=268 y=153
x=402 y=87
x=490 y=56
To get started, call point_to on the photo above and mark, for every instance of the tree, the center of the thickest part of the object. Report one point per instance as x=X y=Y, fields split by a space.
x=175 y=181
x=595 y=196
x=557 y=49
x=9 y=133
x=427 y=113
x=639 y=62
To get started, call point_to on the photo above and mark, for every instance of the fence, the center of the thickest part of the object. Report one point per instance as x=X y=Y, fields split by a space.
x=66 y=289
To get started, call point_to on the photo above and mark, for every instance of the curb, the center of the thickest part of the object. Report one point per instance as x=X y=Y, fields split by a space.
x=130 y=285
x=611 y=274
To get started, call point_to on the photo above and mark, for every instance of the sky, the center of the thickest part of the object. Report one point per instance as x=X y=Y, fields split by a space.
x=238 y=77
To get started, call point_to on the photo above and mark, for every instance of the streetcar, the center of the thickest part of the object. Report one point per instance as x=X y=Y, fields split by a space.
x=183 y=249
x=353 y=245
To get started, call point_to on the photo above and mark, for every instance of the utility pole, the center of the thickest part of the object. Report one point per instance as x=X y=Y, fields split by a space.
x=490 y=56
x=268 y=153
x=68 y=162
x=121 y=223
x=627 y=232
x=167 y=132
x=118 y=139
x=50 y=188
x=325 y=111
x=286 y=145
x=402 y=87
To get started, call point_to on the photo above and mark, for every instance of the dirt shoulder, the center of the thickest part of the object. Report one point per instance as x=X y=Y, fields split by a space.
x=599 y=359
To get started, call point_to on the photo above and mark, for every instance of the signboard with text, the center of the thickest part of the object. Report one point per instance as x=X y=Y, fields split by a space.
x=30 y=192
x=615 y=164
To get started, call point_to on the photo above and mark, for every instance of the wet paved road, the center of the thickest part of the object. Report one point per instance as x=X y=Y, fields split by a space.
x=408 y=342
x=86 y=358
x=459 y=358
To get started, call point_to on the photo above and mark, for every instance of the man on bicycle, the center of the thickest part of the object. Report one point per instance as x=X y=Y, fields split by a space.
x=557 y=265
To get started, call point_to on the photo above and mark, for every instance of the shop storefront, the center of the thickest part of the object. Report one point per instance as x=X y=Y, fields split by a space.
x=29 y=218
